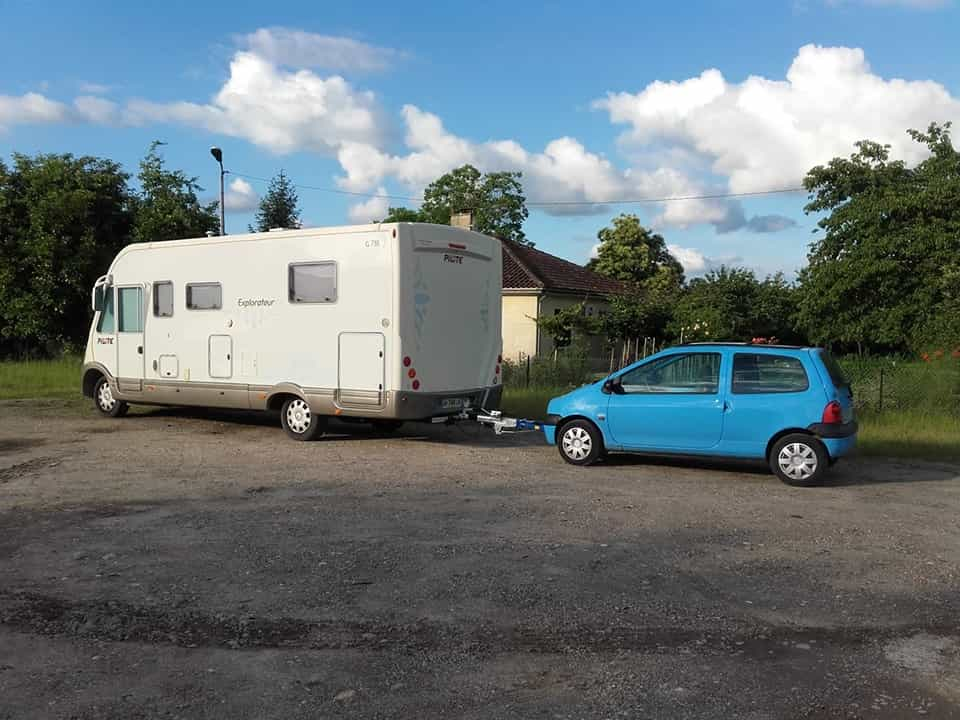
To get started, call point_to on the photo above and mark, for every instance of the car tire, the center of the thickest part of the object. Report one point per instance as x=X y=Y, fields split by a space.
x=580 y=442
x=799 y=459
x=386 y=426
x=105 y=402
x=299 y=421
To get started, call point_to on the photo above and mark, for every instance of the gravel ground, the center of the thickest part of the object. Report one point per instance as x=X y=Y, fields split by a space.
x=201 y=565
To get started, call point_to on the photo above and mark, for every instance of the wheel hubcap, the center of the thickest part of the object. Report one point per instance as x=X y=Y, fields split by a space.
x=797 y=461
x=577 y=443
x=298 y=416
x=105 y=397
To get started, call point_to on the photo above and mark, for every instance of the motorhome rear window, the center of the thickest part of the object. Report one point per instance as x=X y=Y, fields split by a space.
x=163 y=299
x=313 y=282
x=204 y=296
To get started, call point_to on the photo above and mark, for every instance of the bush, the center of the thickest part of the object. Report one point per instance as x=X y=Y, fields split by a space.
x=571 y=367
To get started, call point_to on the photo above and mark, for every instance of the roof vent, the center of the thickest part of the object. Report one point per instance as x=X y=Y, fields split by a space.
x=210 y=233
x=276 y=229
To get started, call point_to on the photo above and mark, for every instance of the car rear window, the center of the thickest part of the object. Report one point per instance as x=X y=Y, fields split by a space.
x=764 y=373
x=834 y=370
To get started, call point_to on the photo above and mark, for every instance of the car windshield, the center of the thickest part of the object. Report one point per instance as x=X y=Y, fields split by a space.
x=834 y=370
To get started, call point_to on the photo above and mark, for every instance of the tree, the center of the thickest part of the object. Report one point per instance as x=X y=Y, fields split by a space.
x=732 y=304
x=402 y=214
x=879 y=278
x=62 y=220
x=496 y=200
x=632 y=253
x=566 y=323
x=279 y=207
x=168 y=208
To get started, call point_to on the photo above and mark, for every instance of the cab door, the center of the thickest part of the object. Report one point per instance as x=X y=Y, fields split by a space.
x=673 y=403
x=130 y=337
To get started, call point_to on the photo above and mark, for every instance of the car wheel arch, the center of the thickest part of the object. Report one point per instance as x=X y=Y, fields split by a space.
x=783 y=433
x=567 y=419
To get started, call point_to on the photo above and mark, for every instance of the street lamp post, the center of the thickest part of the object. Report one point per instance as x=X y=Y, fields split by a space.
x=218 y=156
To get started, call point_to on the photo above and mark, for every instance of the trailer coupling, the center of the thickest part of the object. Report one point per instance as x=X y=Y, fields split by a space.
x=501 y=424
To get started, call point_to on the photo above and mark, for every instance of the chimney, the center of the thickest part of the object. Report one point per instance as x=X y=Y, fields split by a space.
x=463 y=219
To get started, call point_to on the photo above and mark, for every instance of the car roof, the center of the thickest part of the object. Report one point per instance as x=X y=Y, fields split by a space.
x=747 y=344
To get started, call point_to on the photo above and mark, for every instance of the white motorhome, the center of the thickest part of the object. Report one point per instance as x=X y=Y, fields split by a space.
x=385 y=322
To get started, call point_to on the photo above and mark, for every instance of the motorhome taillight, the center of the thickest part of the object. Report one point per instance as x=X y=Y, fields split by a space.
x=407 y=361
x=497 y=371
x=833 y=413
x=411 y=373
x=416 y=385
x=499 y=359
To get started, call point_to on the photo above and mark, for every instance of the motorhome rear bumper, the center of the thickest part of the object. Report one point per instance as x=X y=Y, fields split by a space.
x=408 y=405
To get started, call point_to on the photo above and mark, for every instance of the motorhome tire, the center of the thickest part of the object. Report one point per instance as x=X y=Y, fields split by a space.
x=298 y=421
x=106 y=403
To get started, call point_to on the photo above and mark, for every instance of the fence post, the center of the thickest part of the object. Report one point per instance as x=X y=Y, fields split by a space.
x=880 y=401
x=528 y=372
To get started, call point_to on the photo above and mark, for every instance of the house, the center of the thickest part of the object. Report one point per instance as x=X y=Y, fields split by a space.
x=536 y=284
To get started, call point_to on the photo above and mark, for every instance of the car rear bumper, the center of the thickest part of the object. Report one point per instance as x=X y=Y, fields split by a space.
x=838 y=447
x=824 y=430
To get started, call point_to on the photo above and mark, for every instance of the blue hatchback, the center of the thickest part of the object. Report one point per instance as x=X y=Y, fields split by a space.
x=791 y=406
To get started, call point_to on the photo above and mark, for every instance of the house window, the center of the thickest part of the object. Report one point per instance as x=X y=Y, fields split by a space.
x=313 y=282
x=204 y=296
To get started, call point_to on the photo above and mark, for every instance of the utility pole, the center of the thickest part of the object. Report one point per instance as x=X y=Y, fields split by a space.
x=218 y=156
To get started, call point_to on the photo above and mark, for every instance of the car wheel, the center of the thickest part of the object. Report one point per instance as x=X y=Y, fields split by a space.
x=387 y=426
x=105 y=402
x=799 y=460
x=580 y=442
x=299 y=422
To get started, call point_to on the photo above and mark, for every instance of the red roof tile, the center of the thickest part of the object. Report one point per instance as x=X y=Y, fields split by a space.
x=526 y=268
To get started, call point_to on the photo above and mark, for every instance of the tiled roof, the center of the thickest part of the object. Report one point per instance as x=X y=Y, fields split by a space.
x=526 y=268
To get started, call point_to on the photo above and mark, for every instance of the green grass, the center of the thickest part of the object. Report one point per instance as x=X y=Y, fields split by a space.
x=40 y=378
x=913 y=434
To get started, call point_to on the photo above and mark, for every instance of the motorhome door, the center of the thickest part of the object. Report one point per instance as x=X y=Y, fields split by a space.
x=130 y=337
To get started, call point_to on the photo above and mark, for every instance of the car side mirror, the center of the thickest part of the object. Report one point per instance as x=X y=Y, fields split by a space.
x=612 y=387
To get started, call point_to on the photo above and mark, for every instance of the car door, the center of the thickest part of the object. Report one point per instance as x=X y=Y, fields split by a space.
x=673 y=402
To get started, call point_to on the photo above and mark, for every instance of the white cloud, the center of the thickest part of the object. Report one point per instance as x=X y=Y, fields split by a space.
x=696 y=263
x=96 y=110
x=297 y=48
x=766 y=134
x=274 y=108
x=240 y=197
x=370 y=210
x=31 y=109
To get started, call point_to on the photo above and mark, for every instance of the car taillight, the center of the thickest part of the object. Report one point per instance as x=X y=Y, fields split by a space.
x=833 y=413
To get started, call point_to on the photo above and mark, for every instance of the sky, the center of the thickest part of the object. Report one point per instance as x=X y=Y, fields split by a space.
x=595 y=104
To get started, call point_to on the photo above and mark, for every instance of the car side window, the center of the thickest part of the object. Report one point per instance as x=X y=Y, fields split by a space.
x=756 y=373
x=682 y=374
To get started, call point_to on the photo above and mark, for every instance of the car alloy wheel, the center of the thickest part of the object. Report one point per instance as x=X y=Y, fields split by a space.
x=580 y=442
x=577 y=443
x=798 y=461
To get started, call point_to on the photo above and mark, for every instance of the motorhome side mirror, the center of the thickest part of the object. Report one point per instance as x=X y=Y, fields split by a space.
x=98 y=296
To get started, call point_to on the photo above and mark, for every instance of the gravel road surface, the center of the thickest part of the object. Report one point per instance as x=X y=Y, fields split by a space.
x=178 y=564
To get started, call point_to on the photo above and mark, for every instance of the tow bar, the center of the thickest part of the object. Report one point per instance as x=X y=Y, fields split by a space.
x=501 y=424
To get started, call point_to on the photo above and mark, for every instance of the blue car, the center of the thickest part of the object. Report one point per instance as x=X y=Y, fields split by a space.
x=790 y=406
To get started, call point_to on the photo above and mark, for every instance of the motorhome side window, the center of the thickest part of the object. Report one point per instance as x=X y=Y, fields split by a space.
x=313 y=282
x=204 y=296
x=163 y=299
x=105 y=323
